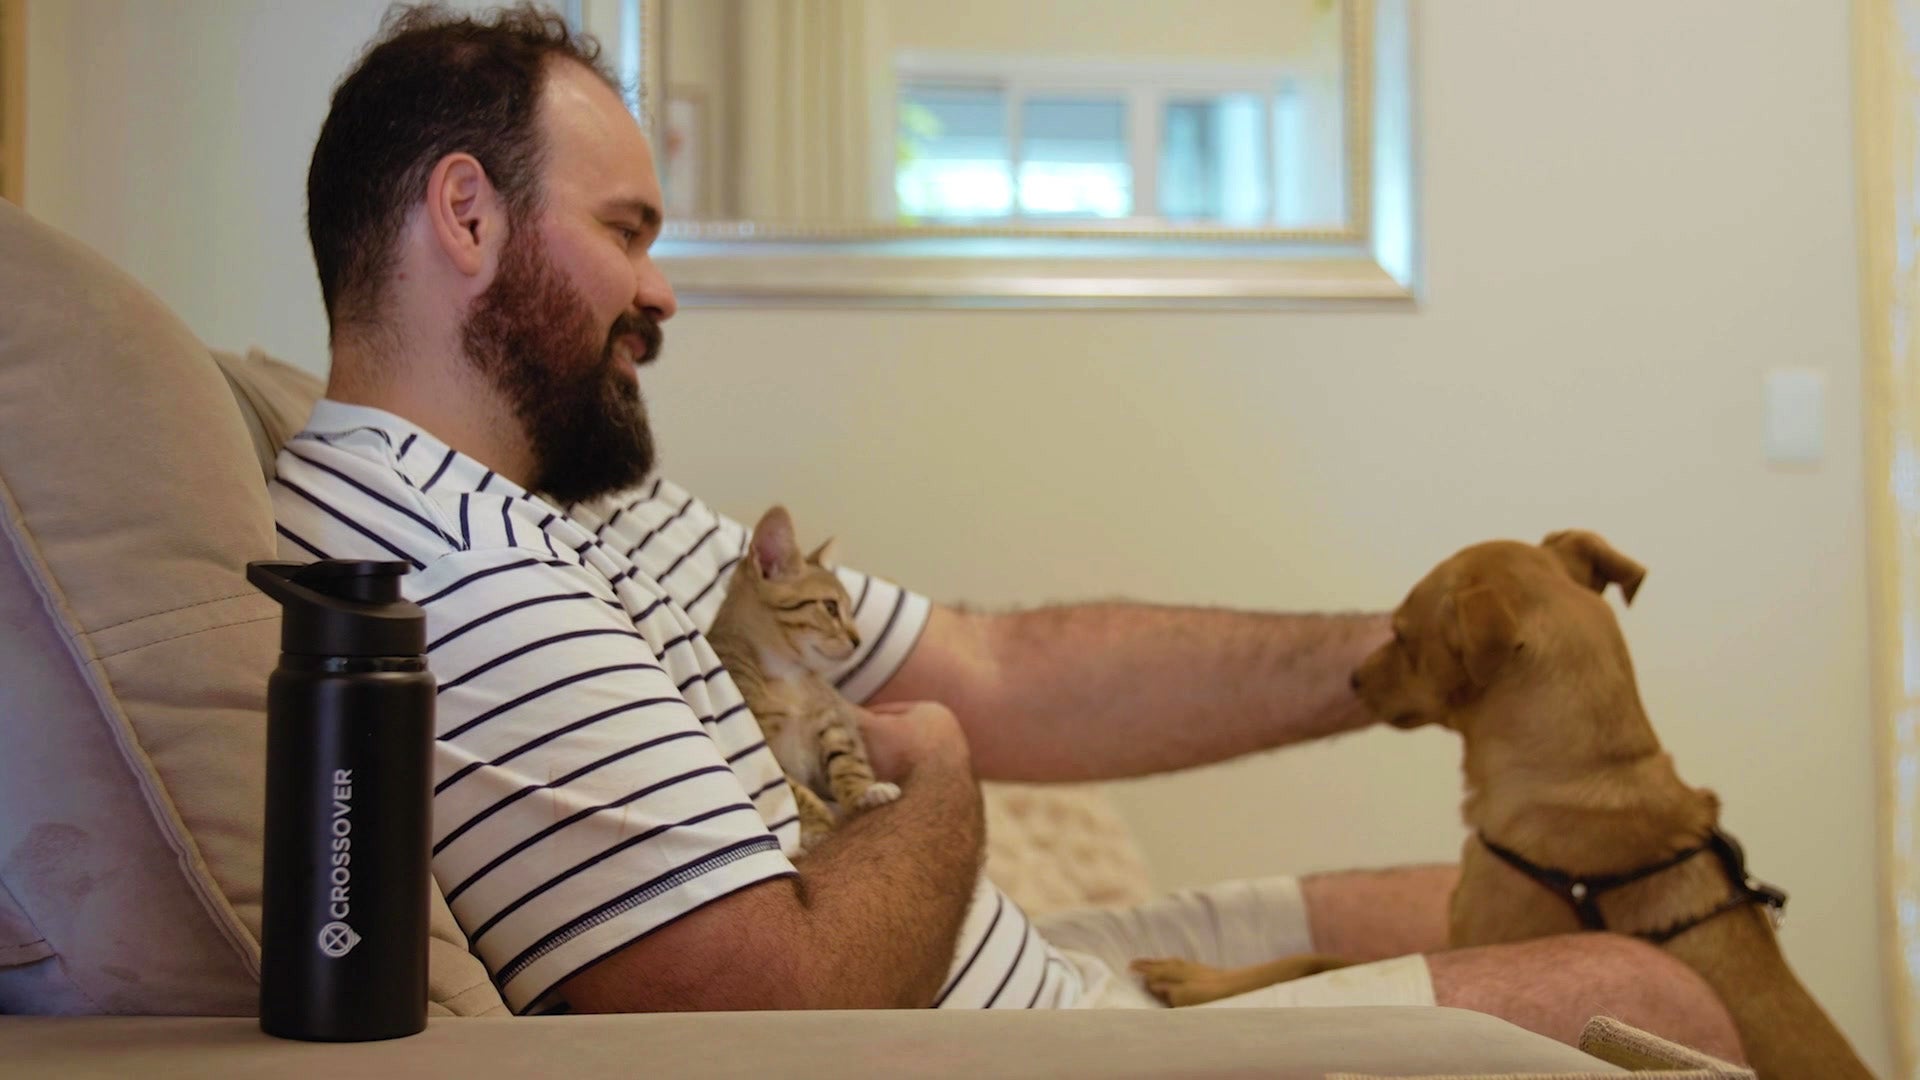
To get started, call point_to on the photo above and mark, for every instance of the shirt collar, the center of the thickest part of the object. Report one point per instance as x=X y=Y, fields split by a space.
x=427 y=463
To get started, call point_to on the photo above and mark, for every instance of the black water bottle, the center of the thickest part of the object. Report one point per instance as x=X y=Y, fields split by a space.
x=349 y=805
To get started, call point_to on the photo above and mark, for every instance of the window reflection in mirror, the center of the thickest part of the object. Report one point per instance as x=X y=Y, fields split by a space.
x=1022 y=113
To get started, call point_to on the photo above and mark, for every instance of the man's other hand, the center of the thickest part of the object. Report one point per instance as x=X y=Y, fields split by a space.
x=905 y=737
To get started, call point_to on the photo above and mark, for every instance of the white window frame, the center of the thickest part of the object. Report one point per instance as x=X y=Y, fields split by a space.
x=1145 y=86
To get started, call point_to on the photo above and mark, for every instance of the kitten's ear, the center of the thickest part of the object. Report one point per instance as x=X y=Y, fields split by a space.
x=822 y=553
x=775 y=554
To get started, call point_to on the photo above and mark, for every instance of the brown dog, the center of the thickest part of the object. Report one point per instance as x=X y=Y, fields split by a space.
x=1579 y=820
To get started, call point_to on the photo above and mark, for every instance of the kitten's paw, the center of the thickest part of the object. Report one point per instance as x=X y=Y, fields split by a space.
x=812 y=838
x=1181 y=982
x=877 y=794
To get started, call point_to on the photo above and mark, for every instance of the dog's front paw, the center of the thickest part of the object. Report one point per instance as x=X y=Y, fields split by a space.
x=877 y=794
x=1181 y=982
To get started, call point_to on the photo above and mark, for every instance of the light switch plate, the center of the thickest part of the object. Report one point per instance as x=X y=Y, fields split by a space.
x=1796 y=416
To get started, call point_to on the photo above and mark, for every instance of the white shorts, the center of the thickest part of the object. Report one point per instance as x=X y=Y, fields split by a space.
x=1232 y=924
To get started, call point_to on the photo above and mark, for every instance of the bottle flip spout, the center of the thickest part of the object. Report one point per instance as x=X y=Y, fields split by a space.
x=342 y=607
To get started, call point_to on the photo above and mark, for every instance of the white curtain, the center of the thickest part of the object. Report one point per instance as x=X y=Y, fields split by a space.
x=1887 y=125
x=815 y=107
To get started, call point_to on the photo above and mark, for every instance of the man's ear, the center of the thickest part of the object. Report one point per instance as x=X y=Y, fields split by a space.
x=1481 y=631
x=1594 y=563
x=465 y=215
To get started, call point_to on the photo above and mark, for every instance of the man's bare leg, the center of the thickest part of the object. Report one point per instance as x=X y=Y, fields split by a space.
x=1354 y=917
x=1549 y=985
x=1366 y=915
x=1554 y=985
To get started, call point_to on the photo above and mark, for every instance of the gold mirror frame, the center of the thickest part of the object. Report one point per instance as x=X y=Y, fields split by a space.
x=1370 y=261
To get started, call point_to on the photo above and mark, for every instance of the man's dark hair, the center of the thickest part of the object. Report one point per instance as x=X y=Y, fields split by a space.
x=433 y=83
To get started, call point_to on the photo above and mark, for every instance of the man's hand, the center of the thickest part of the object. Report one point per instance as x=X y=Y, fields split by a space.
x=904 y=737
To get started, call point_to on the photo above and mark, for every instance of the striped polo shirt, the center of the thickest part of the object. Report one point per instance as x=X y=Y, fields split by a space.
x=596 y=773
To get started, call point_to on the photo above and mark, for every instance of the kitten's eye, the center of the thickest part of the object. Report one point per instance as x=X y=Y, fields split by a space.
x=833 y=609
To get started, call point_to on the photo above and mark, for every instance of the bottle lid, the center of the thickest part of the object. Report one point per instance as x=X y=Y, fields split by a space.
x=342 y=607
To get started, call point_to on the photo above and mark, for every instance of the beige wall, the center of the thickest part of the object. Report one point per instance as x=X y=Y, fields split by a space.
x=1631 y=212
x=174 y=138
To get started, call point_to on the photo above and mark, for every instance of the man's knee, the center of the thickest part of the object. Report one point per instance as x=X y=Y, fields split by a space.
x=1554 y=985
x=1628 y=966
x=1648 y=985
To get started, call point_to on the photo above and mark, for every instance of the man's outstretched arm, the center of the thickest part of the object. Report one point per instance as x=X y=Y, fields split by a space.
x=869 y=923
x=1103 y=691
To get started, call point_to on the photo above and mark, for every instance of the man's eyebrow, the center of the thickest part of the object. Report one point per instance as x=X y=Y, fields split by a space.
x=648 y=213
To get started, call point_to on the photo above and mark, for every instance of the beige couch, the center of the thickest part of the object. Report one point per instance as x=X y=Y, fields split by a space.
x=133 y=664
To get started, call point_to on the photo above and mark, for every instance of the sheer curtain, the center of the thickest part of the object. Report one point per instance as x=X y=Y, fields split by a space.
x=1887 y=127
x=816 y=112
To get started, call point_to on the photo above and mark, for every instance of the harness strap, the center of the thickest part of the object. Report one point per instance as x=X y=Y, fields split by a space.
x=1582 y=893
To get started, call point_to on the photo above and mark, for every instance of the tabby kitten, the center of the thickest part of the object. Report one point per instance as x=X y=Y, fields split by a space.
x=785 y=620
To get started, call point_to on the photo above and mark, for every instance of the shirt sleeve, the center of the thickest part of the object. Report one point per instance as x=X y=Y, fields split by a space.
x=692 y=550
x=580 y=801
x=889 y=620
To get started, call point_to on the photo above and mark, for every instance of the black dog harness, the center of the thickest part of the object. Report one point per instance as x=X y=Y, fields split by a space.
x=1583 y=893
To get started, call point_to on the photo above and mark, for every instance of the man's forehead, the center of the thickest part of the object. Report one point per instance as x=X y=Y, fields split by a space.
x=589 y=131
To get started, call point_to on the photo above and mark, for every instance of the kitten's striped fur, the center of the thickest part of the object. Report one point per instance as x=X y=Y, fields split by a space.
x=786 y=619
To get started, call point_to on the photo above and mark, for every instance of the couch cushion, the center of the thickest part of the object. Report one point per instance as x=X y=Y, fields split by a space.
x=133 y=654
x=275 y=400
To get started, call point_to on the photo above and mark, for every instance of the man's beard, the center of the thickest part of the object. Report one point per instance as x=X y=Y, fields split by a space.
x=533 y=335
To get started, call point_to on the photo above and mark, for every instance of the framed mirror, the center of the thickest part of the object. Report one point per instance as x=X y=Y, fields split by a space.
x=1235 y=153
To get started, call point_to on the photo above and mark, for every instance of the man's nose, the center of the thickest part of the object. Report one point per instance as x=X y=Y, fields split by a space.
x=653 y=293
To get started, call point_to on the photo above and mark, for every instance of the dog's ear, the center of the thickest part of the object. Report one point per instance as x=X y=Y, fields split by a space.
x=1482 y=631
x=1594 y=563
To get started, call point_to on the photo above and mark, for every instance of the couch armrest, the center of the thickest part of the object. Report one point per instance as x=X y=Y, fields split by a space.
x=1188 y=1043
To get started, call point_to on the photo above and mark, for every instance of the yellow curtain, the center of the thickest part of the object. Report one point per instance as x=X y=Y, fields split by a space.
x=1887 y=128
x=815 y=107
